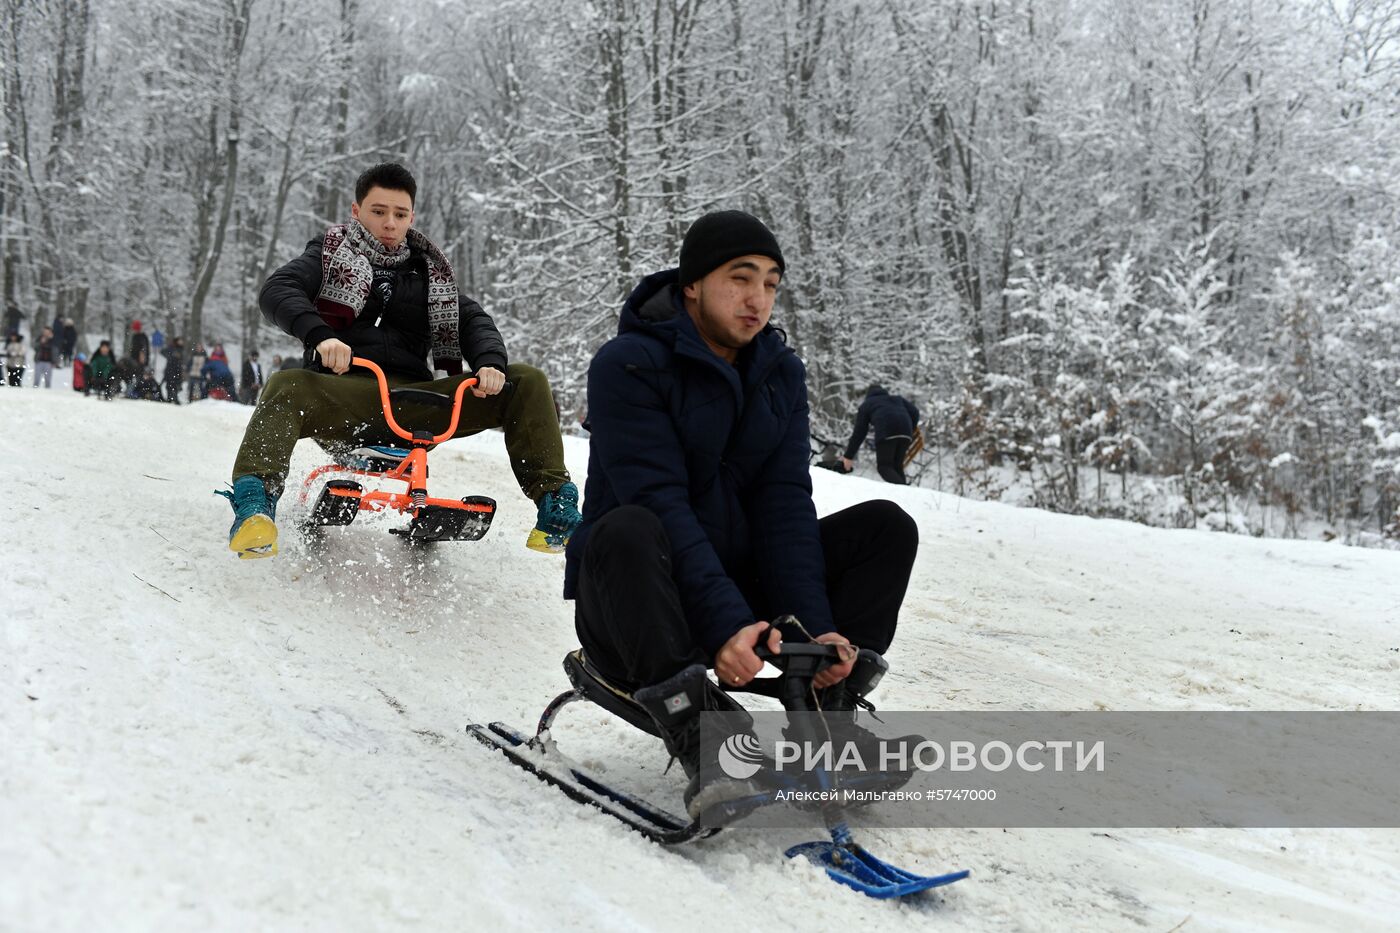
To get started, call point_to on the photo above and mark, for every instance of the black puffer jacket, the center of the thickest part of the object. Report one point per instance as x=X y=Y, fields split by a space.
x=718 y=453
x=396 y=337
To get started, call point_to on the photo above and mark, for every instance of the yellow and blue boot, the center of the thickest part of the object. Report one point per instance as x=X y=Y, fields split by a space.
x=558 y=517
x=254 y=531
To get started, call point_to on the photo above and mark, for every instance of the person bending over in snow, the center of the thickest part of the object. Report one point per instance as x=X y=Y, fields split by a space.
x=217 y=377
x=376 y=287
x=895 y=419
x=698 y=523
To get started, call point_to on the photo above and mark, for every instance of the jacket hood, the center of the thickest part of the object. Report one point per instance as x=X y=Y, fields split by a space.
x=653 y=302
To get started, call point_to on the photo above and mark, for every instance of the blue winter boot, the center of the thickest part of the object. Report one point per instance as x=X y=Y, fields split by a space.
x=254 y=531
x=558 y=518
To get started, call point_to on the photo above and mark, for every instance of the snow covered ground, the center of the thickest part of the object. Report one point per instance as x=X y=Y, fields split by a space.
x=190 y=741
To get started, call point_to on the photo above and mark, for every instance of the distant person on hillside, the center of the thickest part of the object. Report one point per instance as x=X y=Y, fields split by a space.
x=252 y=379
x=894 y=419
x=68 y=341
x=80 y=377
x=144 y=386
x=699 y=527
x=14 y=360
x=129 y=369
x=218 y=378
x=103 y=370
x=138 y=345
x=196 y=370
x=44 y=355
x=174 y=374
x=125 y=374
x=377 y=288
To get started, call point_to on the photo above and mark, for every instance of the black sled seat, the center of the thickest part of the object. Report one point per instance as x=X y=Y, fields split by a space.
x=594 y=687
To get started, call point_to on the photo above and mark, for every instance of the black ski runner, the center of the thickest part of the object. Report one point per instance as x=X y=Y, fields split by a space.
x=844 y=859
x=550 y=766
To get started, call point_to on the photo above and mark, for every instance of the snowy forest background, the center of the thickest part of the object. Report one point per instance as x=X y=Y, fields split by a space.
x=1134 y=259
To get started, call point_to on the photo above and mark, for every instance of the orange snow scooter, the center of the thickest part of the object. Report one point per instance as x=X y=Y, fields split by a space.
x=465 y=519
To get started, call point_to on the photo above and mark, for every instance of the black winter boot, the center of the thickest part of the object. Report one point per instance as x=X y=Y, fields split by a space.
x=839 y=703
x=712 y=796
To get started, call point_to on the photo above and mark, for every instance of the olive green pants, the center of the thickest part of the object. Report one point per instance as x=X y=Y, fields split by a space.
x=345 y=411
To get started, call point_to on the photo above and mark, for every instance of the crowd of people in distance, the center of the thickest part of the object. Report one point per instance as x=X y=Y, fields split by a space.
x=149 y=366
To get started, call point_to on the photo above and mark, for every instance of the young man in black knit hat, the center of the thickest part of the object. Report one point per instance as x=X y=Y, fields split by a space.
x=378 y=288
x=698 y=525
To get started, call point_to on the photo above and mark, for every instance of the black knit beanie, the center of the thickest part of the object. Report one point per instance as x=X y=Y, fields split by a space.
x=721 y=236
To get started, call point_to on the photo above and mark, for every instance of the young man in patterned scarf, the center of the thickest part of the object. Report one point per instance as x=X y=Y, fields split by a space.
x=379 y=289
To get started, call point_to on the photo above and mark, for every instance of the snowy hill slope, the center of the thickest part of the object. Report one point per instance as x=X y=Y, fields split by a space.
x=192 y=741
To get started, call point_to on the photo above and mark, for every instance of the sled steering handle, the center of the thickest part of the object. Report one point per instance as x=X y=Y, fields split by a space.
x=462 y=388
x=810 y=653
x=801 y=661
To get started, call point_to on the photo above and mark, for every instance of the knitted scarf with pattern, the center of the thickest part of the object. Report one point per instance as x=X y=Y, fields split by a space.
x=349 y=256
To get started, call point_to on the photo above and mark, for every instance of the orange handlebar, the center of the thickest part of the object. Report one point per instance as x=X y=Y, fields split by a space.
x=389 y=413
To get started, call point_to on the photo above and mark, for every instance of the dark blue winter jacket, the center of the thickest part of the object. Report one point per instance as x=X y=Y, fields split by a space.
x=216 y=371
x=890 y=415
x=719 y=453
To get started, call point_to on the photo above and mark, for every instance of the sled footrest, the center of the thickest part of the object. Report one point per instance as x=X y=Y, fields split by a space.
x=446 y=523
x=338 y=504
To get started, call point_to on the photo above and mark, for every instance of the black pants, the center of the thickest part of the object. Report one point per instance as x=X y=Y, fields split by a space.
x=889 y=459
x=628 y=611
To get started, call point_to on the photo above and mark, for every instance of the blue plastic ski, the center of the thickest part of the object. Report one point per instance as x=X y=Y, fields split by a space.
x=846 y=861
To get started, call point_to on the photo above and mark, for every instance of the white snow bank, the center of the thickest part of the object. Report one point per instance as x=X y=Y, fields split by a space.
x=190 y=741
